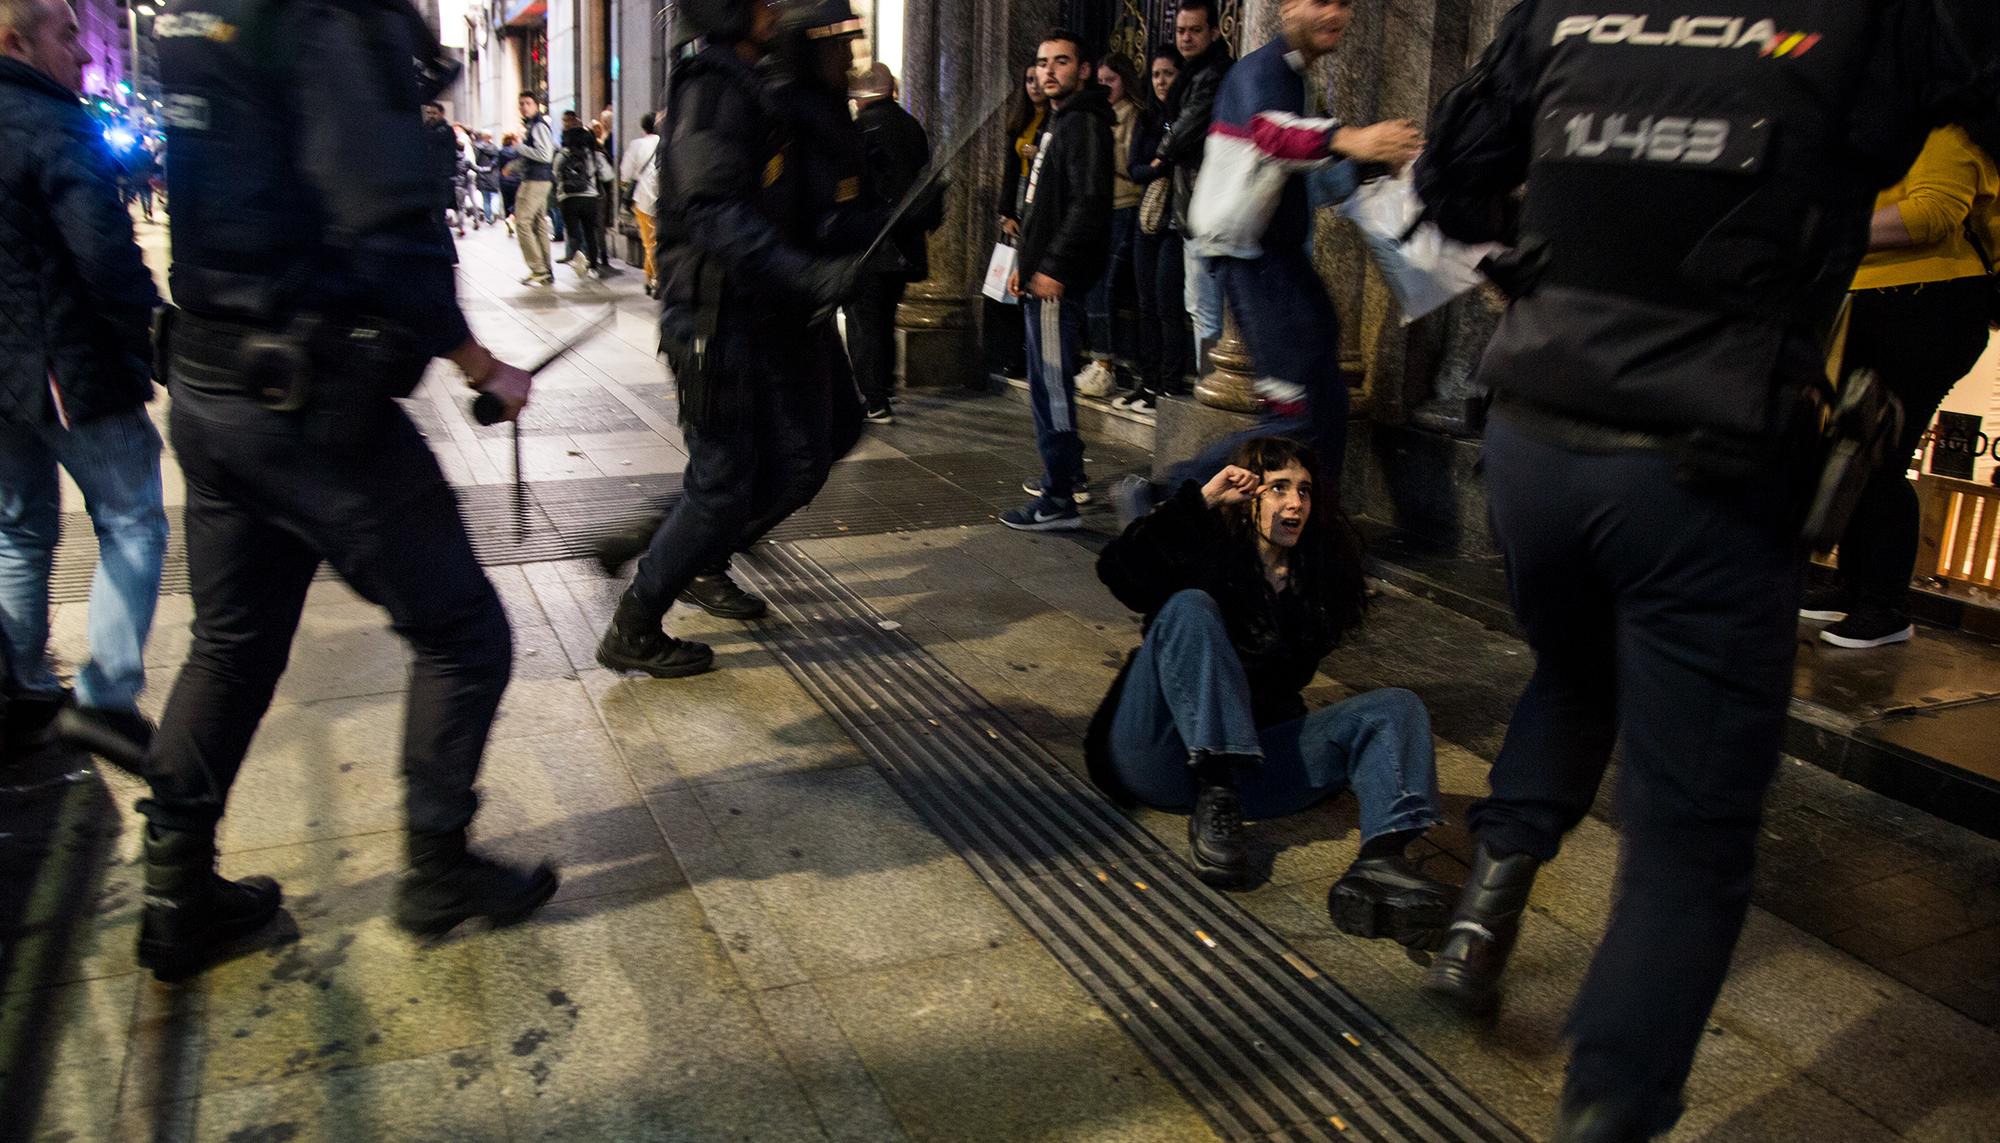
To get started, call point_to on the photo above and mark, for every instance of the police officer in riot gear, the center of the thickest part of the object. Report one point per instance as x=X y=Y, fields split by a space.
x=302 y=315
x=763 y=215
x=1698 y=192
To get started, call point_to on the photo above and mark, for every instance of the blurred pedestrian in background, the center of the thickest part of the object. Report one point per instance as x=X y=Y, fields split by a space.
x=898 y=152
x=1120 y=81
x=639 y=169
x=537 y=152
x=1158 y=269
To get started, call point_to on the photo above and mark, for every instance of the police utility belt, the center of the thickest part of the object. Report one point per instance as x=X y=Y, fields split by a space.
x=313 y=360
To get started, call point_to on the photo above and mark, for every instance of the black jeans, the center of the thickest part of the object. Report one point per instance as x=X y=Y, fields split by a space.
x=1921 y=340
x=1158 y=270
x=1664 y=614
x=586 y=229
x=871 y=336
x=265 y=504
x=758 y=463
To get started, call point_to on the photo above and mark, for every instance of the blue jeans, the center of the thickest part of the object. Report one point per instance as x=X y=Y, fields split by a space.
x=1204 y=296
x=1186 y=692
x=1104 y=338
x=1055 y=339
x=115 y=462
x=1293 y=334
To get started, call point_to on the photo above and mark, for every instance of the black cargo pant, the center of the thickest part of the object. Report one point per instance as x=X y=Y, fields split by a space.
x=1663 y=615
x=765 y=457
x=265 y=504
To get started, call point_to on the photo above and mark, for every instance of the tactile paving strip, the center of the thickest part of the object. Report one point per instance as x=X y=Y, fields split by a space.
x=1264 y=1044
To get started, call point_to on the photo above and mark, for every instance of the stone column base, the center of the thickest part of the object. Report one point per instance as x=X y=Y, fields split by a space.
x=1183 y=427
x=939 y=343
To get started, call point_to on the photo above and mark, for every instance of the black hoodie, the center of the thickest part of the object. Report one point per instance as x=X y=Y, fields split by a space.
x=1066 y=230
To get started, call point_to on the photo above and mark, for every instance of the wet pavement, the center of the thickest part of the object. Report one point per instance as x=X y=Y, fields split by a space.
x=760 y=937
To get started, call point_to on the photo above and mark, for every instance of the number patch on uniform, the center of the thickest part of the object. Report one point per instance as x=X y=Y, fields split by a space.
x=1592 y=135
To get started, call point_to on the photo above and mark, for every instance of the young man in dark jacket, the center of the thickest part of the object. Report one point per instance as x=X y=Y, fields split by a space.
x=1189 y=112
x=898 y=152
x=1065 y=244
x=75 y=376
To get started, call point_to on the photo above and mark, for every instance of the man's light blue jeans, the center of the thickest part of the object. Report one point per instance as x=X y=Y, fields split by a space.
x=115 y=462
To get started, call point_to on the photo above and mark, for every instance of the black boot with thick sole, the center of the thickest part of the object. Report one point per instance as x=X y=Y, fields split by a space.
x=447 y=885
x=1466 y=973
x=1215 y=826
x=1385 y=897
x=722 y=597
x=619 y=548
x=1598 y=1123
x=636 y=643
x=193 y=918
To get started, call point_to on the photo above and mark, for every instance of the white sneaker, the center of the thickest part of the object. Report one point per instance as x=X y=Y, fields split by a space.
x=1096 y=380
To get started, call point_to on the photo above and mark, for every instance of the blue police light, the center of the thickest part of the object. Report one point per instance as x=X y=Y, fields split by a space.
x=119 y=138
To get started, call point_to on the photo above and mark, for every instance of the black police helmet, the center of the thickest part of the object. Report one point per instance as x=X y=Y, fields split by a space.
x=723 y=21
x=817 y=19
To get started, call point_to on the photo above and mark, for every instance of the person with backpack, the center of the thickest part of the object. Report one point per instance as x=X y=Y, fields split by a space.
x=580 y=169
x=486 y=174
x=898 y=153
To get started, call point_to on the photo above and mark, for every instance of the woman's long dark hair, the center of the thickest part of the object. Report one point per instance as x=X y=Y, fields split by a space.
x=1020 y=109
x=1326 y=564
x=1122 y=64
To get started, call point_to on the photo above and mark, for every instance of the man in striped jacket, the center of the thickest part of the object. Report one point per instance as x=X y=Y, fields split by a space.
x=1251 y=215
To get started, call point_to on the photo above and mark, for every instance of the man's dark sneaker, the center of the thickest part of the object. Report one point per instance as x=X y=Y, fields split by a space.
x=1598 y=1123
x=1828 y=604
x=1124 y=397
x=1044 y=515
x=1145 y=403
x=880 y=414
x=120 y=737
x=635 y=643
x=1215 y=833
x=446 y=885
x=193 y=918
x=1387 y=897
x=1466 y=973
x=720 y=596
x=619 y=548
x=1867 y=626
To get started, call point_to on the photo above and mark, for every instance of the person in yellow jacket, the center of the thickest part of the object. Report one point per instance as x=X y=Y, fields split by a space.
x=1920 y=321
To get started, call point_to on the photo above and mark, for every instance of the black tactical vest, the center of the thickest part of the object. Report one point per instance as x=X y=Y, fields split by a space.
x=249 y=243
x=1702 y=212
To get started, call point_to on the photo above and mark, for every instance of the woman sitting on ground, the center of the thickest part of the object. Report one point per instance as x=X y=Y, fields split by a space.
x=1245 y=588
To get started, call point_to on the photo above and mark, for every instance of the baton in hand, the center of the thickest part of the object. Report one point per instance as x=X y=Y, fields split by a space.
x=489 y=409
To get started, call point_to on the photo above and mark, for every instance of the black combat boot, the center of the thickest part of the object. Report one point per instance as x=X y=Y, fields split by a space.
x=120 y=737
x=619 y=548
x=1598 y=1123
x=635 y=642
x=192 y=916
x=1215 y=826
x=720 y=596
x=446 y=885
x=1383 y=895
x=1466 y=973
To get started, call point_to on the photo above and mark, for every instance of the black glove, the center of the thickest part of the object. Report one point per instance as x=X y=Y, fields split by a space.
x=833 y=282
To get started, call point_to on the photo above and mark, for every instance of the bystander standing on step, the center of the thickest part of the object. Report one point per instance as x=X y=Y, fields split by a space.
x=1183 y=146
x=1065 y=243
x=76 y=373
x=1120 y=81
x=1921 y=304
x=898 y=154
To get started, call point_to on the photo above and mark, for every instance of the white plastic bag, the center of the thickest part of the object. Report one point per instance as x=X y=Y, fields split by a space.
x=1424 y=270
x=999 y=268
